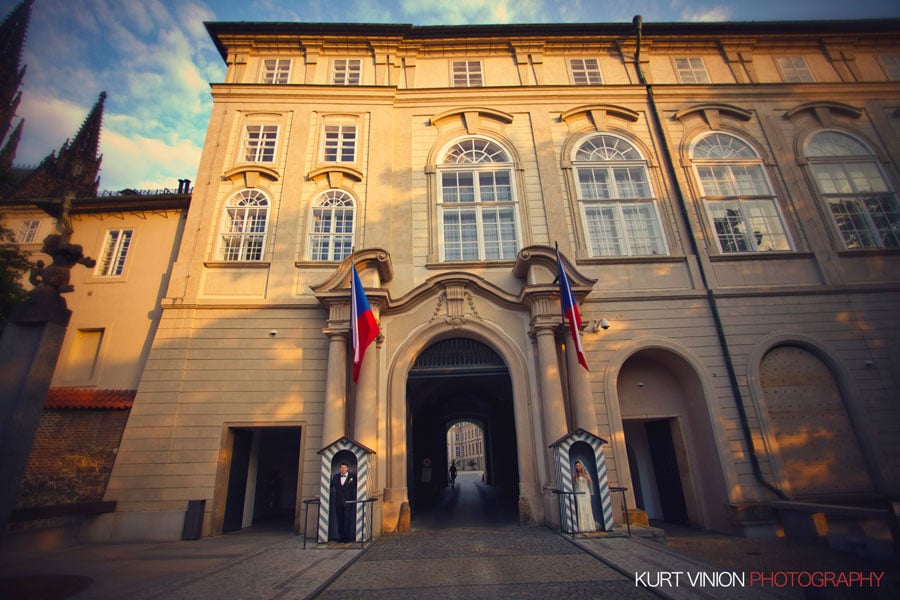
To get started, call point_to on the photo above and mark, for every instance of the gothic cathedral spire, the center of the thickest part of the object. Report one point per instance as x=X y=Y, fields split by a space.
x=12 y=41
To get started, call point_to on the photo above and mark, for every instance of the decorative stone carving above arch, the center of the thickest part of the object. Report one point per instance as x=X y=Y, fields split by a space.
x=248 y=175
x=598 y=115
x=825 y=112
x=711 y=113
x=333 y=175
x=471 y=117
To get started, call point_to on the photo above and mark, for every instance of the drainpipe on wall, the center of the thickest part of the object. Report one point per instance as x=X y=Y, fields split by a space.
x=711 y=297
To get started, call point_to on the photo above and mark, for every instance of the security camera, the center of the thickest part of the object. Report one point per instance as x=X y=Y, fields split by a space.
x=604 y=324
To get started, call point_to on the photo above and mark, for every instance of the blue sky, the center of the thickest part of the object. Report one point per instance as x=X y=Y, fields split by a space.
x=155 y=60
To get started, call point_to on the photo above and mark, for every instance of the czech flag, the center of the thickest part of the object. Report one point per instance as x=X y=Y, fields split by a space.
x=364 y=328
x=570 y=311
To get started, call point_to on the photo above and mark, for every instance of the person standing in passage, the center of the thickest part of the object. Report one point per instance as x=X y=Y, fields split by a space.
x=584 y=488
x=343 y=489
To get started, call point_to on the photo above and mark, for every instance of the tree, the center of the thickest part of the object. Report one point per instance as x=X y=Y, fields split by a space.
x=13 y=265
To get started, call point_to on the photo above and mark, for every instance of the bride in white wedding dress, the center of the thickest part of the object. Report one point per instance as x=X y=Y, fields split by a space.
x=583 y=488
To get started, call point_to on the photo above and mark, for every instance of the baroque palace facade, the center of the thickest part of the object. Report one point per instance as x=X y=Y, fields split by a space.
x=724 y=199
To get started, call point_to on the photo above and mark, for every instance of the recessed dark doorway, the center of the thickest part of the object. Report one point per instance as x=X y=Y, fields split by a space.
x=262 y=478
x=453 y=380
x=655 y=474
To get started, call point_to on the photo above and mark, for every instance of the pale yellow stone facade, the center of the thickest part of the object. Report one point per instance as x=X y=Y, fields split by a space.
x=254 y=327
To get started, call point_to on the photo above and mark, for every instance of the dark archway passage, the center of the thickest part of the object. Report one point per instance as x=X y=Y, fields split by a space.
x=460 y=379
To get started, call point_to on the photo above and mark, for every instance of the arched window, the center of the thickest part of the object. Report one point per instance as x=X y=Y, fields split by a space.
x=331 y=226
x=244 y=226
x=862 y=204
x=477 y=202
x=737 y=195
x=617 y=204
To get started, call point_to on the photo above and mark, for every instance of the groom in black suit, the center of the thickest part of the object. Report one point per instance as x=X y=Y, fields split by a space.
x=343 y=489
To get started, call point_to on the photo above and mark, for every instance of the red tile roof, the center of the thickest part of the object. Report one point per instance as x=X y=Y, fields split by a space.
x=89 y=398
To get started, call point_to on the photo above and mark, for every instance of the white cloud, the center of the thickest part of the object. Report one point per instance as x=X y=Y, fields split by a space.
x=454 y=12
x=145 y=163
x=709 y=14
x=49 y=122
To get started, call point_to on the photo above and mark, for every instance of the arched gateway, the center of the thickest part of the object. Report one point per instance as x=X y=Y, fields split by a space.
x=457 y=346
x=459 y=378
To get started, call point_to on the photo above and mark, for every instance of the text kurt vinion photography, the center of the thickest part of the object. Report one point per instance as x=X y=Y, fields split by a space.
x=772 y=579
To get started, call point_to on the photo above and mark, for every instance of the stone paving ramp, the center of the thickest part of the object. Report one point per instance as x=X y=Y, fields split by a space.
x=697 y=579
x=475 y=563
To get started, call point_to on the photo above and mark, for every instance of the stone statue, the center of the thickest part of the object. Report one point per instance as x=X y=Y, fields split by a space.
x=55 y=276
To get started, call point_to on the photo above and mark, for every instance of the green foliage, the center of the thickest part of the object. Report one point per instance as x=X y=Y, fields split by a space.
x=13 y=265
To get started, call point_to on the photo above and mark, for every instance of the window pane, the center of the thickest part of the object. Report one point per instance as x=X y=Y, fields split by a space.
x=850 y=219
x=458 y=186
x=716 y=181
x=27 y=232
x=643 y=230
x=494 y=186
x=750 y=180
x=331 y=228
x=885 y=214
x=499 y=233
x=765 y=223
x=866 y=178
x=347 y=71
x=585 y=71
x=833 y=143
x=691 y=70
x=631 y=183
x=466 y=73
x=594 y=184
x=260 y=142
x=460 y=235
x=730 y=227
x=794 y=69
x=115 y=249
x=603 y=231
x=276 y=71
x=339 y=144
x=244 y=228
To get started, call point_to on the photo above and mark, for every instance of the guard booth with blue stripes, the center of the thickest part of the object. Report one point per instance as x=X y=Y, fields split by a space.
x=588 y=448
x=344 y=450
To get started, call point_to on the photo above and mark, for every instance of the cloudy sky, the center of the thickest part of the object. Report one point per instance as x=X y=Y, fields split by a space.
x=155 y=60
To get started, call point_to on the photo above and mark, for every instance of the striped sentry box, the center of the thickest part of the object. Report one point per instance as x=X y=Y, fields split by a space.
x=362 y=492
x=564 y=476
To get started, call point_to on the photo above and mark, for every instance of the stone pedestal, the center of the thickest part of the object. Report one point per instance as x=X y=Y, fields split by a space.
x=29 y=349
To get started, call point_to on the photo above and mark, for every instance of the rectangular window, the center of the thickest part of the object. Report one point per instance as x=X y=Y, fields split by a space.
x=891 y=65
x=863 y=207
x=259 y=143
x=585 y=71
x=794 y=69
x=276 y=71
x=748 y=225
x=83 y=355
x=466 y=73
x=115 y=250
x=691 y=70
x=339 y=143
x=27 y=232
x=347 y=71
x=624 y=229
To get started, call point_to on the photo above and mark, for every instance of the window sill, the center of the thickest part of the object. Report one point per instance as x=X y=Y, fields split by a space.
x=237 y=264
x=741 y=256
x=469 y=264
x=857 y=252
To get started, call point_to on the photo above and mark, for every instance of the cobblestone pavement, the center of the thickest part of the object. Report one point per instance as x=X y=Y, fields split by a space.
x=475 y=563
x=467 y=548
x=253 y=564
